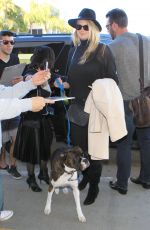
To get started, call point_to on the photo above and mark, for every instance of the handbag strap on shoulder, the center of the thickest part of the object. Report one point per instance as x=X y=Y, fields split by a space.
x=141 y=62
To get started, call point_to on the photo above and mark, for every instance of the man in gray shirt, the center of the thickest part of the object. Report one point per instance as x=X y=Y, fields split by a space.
x=125 y=48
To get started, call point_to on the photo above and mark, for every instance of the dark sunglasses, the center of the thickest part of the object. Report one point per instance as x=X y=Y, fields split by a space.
x=108 y=26
x=79 y=27
x=6 y=42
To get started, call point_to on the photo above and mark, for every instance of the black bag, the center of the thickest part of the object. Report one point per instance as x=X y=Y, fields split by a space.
x=141 y=105
x=77 y=115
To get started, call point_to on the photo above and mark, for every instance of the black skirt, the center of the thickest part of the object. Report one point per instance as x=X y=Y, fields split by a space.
x=34 y=139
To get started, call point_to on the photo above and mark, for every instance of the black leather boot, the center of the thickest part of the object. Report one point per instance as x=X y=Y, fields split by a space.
x=92 y=194
x=43 y=175
x=94 y=174
x=31 y=181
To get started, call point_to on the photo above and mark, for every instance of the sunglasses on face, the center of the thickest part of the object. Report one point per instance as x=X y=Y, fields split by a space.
x=108 y=26
x=6 y=42
x=79 y=27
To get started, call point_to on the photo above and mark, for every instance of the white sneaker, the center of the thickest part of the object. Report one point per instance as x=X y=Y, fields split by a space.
x=5 y=215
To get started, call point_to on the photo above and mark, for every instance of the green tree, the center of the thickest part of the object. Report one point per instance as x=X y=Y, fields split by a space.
x=43 y=15
x=11 y=16
x=46 y=16
x=57 y=25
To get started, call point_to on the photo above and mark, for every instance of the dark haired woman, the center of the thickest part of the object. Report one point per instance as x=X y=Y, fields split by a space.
x=34 y=136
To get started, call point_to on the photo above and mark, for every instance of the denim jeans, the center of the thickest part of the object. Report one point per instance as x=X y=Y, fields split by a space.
x=124 y=151
x=1 y=194
x=143 y=136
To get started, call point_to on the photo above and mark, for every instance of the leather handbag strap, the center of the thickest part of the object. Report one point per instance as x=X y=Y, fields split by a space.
x=141 y=62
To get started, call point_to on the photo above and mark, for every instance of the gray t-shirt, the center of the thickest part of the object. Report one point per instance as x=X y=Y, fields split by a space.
x=125 y=49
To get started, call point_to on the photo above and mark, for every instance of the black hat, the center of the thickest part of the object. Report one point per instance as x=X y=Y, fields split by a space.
x=85 y=14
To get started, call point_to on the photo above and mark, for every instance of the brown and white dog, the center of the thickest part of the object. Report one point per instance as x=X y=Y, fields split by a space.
x=65 y=164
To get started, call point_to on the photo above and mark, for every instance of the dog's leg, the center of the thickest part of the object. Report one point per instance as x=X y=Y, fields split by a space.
x=76 y=194
x=47 y=209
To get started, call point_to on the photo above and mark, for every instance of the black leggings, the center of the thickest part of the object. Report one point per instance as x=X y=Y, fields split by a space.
x=79 y=136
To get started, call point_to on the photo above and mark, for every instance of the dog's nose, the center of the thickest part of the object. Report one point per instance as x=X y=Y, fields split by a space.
x=85 y=160
x=84 y=163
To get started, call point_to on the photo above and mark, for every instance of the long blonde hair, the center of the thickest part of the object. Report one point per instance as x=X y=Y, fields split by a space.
x=93 y=41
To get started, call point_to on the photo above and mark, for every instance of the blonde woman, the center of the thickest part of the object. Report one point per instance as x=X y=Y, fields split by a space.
x=88 y=60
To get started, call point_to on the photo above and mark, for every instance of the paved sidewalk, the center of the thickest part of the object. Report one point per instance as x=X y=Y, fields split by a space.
x=111 y=211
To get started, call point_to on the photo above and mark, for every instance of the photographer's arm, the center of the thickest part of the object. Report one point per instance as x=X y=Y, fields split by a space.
x=22 y=88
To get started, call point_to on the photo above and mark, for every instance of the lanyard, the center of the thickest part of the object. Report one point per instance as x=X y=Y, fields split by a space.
x=62 y=93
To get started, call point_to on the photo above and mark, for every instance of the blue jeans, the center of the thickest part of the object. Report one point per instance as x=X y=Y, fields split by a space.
x=124 y=151
x=1 y=194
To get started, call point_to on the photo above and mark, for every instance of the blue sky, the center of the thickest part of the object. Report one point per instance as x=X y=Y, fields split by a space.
x=137 y=11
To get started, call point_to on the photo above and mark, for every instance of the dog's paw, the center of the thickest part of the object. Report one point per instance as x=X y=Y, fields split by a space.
x=47 y=210
x=82 y=219
x=65 y=190
x=57 y=190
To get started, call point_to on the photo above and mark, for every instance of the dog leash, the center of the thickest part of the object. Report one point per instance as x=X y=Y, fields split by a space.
x=62 y=93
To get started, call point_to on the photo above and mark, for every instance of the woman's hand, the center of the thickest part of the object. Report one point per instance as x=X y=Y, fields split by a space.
x=58 y=82
x=64 y=84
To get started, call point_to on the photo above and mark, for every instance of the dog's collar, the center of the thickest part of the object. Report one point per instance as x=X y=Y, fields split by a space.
x=70 y=171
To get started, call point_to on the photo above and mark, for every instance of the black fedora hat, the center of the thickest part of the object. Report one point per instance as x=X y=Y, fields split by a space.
x=85 y=14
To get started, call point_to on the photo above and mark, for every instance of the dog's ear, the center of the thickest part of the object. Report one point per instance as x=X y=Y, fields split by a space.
x=77 y=149
x=67 y=155
x=73 y=157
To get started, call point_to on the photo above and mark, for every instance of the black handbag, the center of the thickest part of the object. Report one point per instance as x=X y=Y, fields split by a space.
x=141 y=105
x=77 y=115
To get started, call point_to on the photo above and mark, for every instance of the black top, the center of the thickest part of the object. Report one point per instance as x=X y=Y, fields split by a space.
x=14 y=60
x=101 y=64
x=39 y=91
